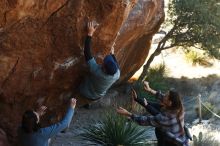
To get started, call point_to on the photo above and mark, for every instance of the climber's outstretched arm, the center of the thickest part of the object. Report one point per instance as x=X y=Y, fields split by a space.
x=87 y=50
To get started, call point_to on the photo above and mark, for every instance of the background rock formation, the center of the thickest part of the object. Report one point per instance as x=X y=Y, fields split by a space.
x=41 y=48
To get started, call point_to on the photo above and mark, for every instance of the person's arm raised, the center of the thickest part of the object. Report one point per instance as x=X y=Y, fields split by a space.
x=52 y=130
x=87 y=49
x=157 y=94
x=123 y=112
x=135 y=98
x=143 y=102
x=91 y=28
x=148 y=88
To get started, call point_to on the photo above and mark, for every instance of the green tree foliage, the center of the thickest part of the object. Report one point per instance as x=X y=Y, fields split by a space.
x=196 y=23
x=192 y=23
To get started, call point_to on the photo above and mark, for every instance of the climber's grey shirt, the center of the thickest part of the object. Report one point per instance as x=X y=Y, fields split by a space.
x=97 y=83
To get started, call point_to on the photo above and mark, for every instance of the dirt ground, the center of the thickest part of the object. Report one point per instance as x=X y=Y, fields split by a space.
x=83 y=117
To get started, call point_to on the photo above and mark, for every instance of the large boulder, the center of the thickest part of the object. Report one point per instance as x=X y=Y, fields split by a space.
x=3 y=138
x=41 y=48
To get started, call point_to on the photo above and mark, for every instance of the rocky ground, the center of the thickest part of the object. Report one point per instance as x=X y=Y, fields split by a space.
x=84 y=117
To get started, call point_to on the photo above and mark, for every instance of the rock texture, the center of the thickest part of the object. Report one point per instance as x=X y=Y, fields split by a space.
x=41 y=48
x=3 y=138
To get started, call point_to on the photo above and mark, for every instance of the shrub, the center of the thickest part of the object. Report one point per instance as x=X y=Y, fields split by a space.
x=114 y=130
x=206 y=114
x=156 y=77
x=204 y=140
x=197 y=58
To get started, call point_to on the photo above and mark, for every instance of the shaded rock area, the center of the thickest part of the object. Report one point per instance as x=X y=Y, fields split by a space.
x=3 y=138
x=41 y=48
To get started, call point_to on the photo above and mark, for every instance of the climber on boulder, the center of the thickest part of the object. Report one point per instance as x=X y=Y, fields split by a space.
x=101 y=77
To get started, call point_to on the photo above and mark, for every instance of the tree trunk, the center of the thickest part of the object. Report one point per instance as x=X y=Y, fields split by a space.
x=160 y=47
x=147 y=65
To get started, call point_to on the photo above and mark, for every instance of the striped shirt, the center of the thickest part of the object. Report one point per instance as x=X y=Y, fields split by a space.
x=165 y=120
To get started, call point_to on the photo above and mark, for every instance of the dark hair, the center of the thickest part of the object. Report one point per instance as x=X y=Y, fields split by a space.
x=175 y=98
x=176 y=105
x=29 y=122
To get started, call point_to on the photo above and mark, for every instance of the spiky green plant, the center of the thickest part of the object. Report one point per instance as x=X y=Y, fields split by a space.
x=114 y=130
x=197 y=58
x=204 y=139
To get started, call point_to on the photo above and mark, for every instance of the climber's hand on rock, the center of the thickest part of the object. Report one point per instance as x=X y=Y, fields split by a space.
x=41 y=110
x=91 y=27
x=73 y=102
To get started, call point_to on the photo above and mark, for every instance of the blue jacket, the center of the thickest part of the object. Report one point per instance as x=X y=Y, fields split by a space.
x=41 y=137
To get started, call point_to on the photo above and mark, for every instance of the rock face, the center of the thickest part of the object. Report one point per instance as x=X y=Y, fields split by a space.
x=3 y=138
x=41 y=48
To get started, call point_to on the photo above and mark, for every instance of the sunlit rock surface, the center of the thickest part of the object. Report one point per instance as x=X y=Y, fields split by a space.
x=41 y=48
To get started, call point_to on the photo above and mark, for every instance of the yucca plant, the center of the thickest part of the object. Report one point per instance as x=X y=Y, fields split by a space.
x=204 y=139
x=114 y=130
